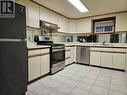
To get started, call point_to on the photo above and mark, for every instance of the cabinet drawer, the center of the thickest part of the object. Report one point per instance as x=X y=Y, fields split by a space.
x=33 y=52
x=44 y=51
x=102 y=49
x=119 y=50
x=106 y=49
x=95 y=49
x=68 y=48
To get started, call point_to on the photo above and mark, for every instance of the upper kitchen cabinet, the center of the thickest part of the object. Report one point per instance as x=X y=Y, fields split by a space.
x=33 y=17
x=54 y=17
x=45 y=14
x=121 y=22
x=84 y=25
x=48 y=16
x=63 y=24
x=71 y=26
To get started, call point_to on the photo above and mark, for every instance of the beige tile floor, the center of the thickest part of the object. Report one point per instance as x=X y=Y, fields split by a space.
x=81 y=80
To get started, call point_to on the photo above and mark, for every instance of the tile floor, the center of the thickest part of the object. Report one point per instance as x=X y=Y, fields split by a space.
x=81 y=80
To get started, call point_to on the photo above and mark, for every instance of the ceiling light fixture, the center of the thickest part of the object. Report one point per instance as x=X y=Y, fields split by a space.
x=79 y=5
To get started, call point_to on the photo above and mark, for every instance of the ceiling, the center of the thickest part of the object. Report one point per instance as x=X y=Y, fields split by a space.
x=95 y=7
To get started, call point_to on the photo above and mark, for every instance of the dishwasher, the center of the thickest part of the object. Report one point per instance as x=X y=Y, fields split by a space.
x=83 y=55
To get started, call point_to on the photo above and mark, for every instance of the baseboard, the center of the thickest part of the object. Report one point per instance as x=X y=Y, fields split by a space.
x=108 y=68
x=34 y=80
x=103 y=67
x=84 y=64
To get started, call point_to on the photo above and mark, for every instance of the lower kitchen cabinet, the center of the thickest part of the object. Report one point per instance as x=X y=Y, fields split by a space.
x=33 y=67
x=72 y=55
x=106 y=59
x=67 y=61
x=95 y=58
x=69 y=55
x=119 y=61
x=45 y=67
x=38 y=63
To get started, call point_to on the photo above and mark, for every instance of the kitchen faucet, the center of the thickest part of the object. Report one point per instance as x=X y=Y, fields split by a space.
x=103 y=42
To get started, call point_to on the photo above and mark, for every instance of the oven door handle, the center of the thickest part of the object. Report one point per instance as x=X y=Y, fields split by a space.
x=58 y=50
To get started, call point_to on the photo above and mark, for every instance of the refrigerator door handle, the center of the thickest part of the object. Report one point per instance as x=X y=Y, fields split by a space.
x=11 y=40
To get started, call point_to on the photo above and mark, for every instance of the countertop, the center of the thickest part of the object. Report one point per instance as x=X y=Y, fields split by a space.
x=31 y=45
x=107 y=45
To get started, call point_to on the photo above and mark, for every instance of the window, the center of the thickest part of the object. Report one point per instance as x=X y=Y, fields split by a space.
x=104 y=25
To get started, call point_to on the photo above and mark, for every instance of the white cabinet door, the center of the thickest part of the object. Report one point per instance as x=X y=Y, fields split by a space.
x=106 y=59
x=33 y=67
x=63 y=24
x=33 y=15
x=45 y=14
x=121 y=22
x=84 y=25
x=48 y=16
x=45 y=64
x=67 y=61
x=119 y=61
x=95 y=58
x=119 y=58
x=71 y=26
x=54 y=18
x=72 y=55
x=67 y=56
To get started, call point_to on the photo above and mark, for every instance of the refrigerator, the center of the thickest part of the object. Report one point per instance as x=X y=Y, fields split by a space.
x=13 y=53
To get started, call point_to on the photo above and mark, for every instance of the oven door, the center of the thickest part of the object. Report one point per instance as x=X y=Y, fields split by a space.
x=58 y=56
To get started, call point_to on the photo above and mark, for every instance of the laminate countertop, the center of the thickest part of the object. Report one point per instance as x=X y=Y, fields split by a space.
x=106 y=45
x=31 y=46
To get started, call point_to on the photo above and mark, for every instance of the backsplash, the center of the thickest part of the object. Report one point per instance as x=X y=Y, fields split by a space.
x=104 y=37
x=31 y=33
x=58 y=38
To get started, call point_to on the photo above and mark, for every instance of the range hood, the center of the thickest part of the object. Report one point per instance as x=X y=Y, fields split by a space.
x=50 y=26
